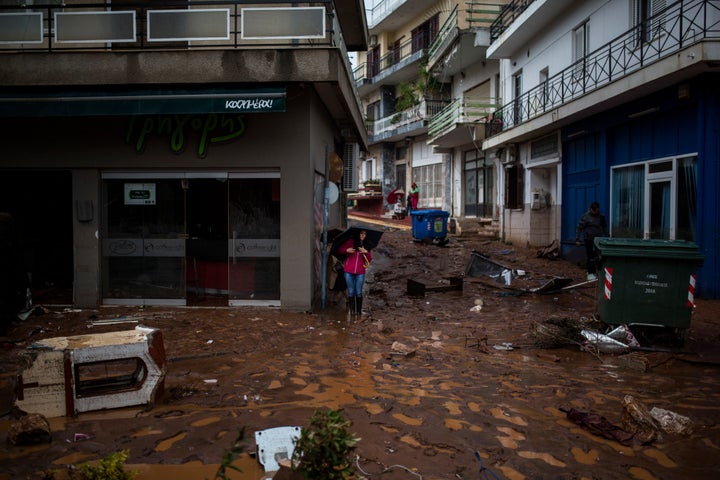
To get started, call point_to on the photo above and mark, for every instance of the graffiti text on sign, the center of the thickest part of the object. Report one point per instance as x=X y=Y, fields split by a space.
x=209 y=129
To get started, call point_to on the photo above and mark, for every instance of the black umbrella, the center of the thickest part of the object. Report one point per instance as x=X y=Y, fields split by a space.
x=371 y=239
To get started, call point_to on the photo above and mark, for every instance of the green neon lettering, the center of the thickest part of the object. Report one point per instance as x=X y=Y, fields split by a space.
x=211 y=128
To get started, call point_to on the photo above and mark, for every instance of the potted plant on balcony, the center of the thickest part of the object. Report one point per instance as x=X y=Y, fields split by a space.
x=406 y=99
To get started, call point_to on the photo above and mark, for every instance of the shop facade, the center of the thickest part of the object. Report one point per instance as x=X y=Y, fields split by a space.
x=171 y=155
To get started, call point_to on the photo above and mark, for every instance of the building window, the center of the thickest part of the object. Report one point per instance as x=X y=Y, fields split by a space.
x=424 y=34
x=429 y=180
x=514 y=186
x=644 y=16
x=517 y=93
x=544 y=97
x=655 y=200
x=580 y=51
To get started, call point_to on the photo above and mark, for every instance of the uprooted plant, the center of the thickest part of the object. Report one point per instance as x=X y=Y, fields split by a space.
x=324 y=447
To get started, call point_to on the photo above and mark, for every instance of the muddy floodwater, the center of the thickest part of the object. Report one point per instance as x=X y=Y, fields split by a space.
x=472 y=378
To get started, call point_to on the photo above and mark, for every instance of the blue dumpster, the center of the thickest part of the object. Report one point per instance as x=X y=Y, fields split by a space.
x=429 y=225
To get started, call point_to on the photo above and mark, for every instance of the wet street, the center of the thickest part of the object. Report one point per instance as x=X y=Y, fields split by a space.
x=473 y=377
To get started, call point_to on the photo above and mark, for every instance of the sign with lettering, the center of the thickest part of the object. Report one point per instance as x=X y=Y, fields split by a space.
x=140 y=194
x=70 y=103
x=254 y=247
x=178 y=130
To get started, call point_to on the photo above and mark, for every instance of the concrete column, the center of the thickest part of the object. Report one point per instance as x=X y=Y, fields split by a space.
x=86 y=237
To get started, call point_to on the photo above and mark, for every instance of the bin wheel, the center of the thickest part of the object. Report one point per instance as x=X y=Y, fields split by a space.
x=647 y=335
x=440 y=241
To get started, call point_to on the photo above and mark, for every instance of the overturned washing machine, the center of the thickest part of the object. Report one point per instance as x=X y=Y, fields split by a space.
x=64 y=376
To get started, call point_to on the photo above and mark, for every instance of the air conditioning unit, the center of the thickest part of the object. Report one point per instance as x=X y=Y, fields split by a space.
x=351 y=157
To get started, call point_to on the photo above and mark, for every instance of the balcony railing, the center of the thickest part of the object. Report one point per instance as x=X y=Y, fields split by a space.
x=507 y=16
x=404 y=120
x=483 y=14
x=661 y=36
x=462 y=111
x=381 y=10
x=477 y=15
x=172 y=24
x=449 y=27
x=409 y=52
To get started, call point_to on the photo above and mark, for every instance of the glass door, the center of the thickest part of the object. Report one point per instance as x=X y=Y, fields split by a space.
x=143 y=239
x=207 y=243
x=254 y=239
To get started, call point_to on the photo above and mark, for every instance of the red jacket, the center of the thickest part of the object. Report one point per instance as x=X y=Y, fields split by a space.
x=355 y=261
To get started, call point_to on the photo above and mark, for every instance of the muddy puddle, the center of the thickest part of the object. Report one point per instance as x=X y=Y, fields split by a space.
x=425 y=413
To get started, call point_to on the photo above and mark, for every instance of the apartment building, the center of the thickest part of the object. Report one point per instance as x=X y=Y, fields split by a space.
x=177 y=153
x=611 y=101
x=428 y=91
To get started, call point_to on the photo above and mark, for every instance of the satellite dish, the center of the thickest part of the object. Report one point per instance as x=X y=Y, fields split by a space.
x=333 y=192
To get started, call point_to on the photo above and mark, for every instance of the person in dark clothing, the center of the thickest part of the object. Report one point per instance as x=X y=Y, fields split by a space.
x=592 y=224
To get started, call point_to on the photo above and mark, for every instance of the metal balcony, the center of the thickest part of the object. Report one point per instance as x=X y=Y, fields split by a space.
x=462 y=31
x=662 y=36
x=456 y=118
x=194 y=24
x=410 y=122
x=397 y=65
x=507 y=16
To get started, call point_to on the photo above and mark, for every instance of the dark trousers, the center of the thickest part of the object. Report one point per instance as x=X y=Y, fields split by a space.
x=591 y=255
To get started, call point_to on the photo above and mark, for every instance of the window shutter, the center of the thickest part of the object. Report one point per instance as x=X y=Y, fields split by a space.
x=351 y=154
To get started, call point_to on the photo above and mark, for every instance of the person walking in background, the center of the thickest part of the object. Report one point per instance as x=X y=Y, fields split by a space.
x=592 y=224
x=357 y=260
x=413 y=196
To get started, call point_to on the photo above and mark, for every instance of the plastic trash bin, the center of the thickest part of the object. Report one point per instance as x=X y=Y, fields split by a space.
x=646 y=282
x=429 y=225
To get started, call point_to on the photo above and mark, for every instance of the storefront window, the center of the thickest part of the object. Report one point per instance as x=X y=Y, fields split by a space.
x=143 y=239
x=656 y=199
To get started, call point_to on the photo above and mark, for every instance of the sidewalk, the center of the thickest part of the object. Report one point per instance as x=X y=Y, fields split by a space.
x=404 y=224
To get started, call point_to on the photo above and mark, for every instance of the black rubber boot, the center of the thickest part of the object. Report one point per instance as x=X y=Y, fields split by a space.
x=358 y=306
x=352 y=305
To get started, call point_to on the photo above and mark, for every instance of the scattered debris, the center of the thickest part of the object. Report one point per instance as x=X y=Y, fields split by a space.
x=638 y=421
x=82 y=373
x=552 y=285
x=503 y=346
x=418 y=289
x=598 y=342
x=599 y=425
x=79 y=437
x=558 y=332
x=672 y=422
x=551 y=251
x=401 y=350
x=31 y=429
x=275 y=445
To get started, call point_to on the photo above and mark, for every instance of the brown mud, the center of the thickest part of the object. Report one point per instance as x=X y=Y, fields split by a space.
x=478 y=380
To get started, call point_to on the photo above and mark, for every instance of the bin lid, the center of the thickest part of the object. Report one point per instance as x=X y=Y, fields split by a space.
x=638 y=247
x=438 y=213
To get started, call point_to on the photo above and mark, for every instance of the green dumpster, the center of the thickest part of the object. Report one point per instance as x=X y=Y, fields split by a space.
x=646 y=282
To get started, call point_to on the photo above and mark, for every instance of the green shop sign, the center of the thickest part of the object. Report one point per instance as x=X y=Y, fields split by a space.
x=73 y=103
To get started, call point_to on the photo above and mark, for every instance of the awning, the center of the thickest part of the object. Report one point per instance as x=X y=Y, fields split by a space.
x=72 y=103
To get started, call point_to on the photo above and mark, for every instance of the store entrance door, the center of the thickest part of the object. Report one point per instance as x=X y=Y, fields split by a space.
x=254 y=239
x=206 y=256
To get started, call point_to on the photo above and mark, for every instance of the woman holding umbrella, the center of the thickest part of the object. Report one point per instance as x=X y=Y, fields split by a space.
x=357 y=260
